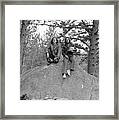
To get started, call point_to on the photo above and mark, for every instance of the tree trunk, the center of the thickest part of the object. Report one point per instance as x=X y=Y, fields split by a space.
x=23 y=34
x=93 y=55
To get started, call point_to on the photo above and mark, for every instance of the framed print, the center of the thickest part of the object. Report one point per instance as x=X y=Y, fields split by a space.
x=59 y=59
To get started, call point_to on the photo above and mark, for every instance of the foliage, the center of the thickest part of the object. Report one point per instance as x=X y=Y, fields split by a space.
x=36 y=35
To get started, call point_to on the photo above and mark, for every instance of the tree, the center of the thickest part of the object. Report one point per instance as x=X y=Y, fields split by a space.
x=83 y=34
x=93 y=55
x=23 y=41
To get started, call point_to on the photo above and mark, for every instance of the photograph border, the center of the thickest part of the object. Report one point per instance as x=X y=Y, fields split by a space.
x=2 y=60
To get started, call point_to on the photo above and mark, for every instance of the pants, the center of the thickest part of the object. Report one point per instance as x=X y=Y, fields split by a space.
x=68 y=64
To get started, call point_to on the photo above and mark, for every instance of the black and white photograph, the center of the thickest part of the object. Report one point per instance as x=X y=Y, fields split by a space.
x=59 y=59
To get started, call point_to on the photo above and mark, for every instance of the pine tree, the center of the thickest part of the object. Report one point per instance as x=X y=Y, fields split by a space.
x=93 y=55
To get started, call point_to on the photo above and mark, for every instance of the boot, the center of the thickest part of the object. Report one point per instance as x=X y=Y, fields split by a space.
x=68 y=72
x=64 y=76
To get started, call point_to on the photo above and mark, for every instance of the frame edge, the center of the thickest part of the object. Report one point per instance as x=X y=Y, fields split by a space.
x=2 y=62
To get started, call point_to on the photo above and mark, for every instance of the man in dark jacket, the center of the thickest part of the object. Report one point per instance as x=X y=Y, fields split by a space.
x=68 y=61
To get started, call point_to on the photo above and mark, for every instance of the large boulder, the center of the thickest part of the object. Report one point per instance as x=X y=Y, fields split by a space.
x=47 y=83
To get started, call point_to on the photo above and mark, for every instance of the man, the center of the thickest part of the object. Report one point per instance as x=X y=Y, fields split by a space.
x=53 y=51
x=68 y=61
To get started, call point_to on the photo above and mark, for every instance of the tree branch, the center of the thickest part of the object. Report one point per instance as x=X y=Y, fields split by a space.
x=80 y=47
x=81 y=41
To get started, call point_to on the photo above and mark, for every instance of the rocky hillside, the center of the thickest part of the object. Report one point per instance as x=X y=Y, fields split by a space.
x=46 y=83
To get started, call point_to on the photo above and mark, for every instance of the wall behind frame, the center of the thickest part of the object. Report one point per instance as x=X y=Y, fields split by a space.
x=49 y=0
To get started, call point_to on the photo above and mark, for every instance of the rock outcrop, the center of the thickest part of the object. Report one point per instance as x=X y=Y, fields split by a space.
x=46 y=83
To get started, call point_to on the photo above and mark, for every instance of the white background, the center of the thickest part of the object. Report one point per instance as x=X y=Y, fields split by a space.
x=105 y=104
